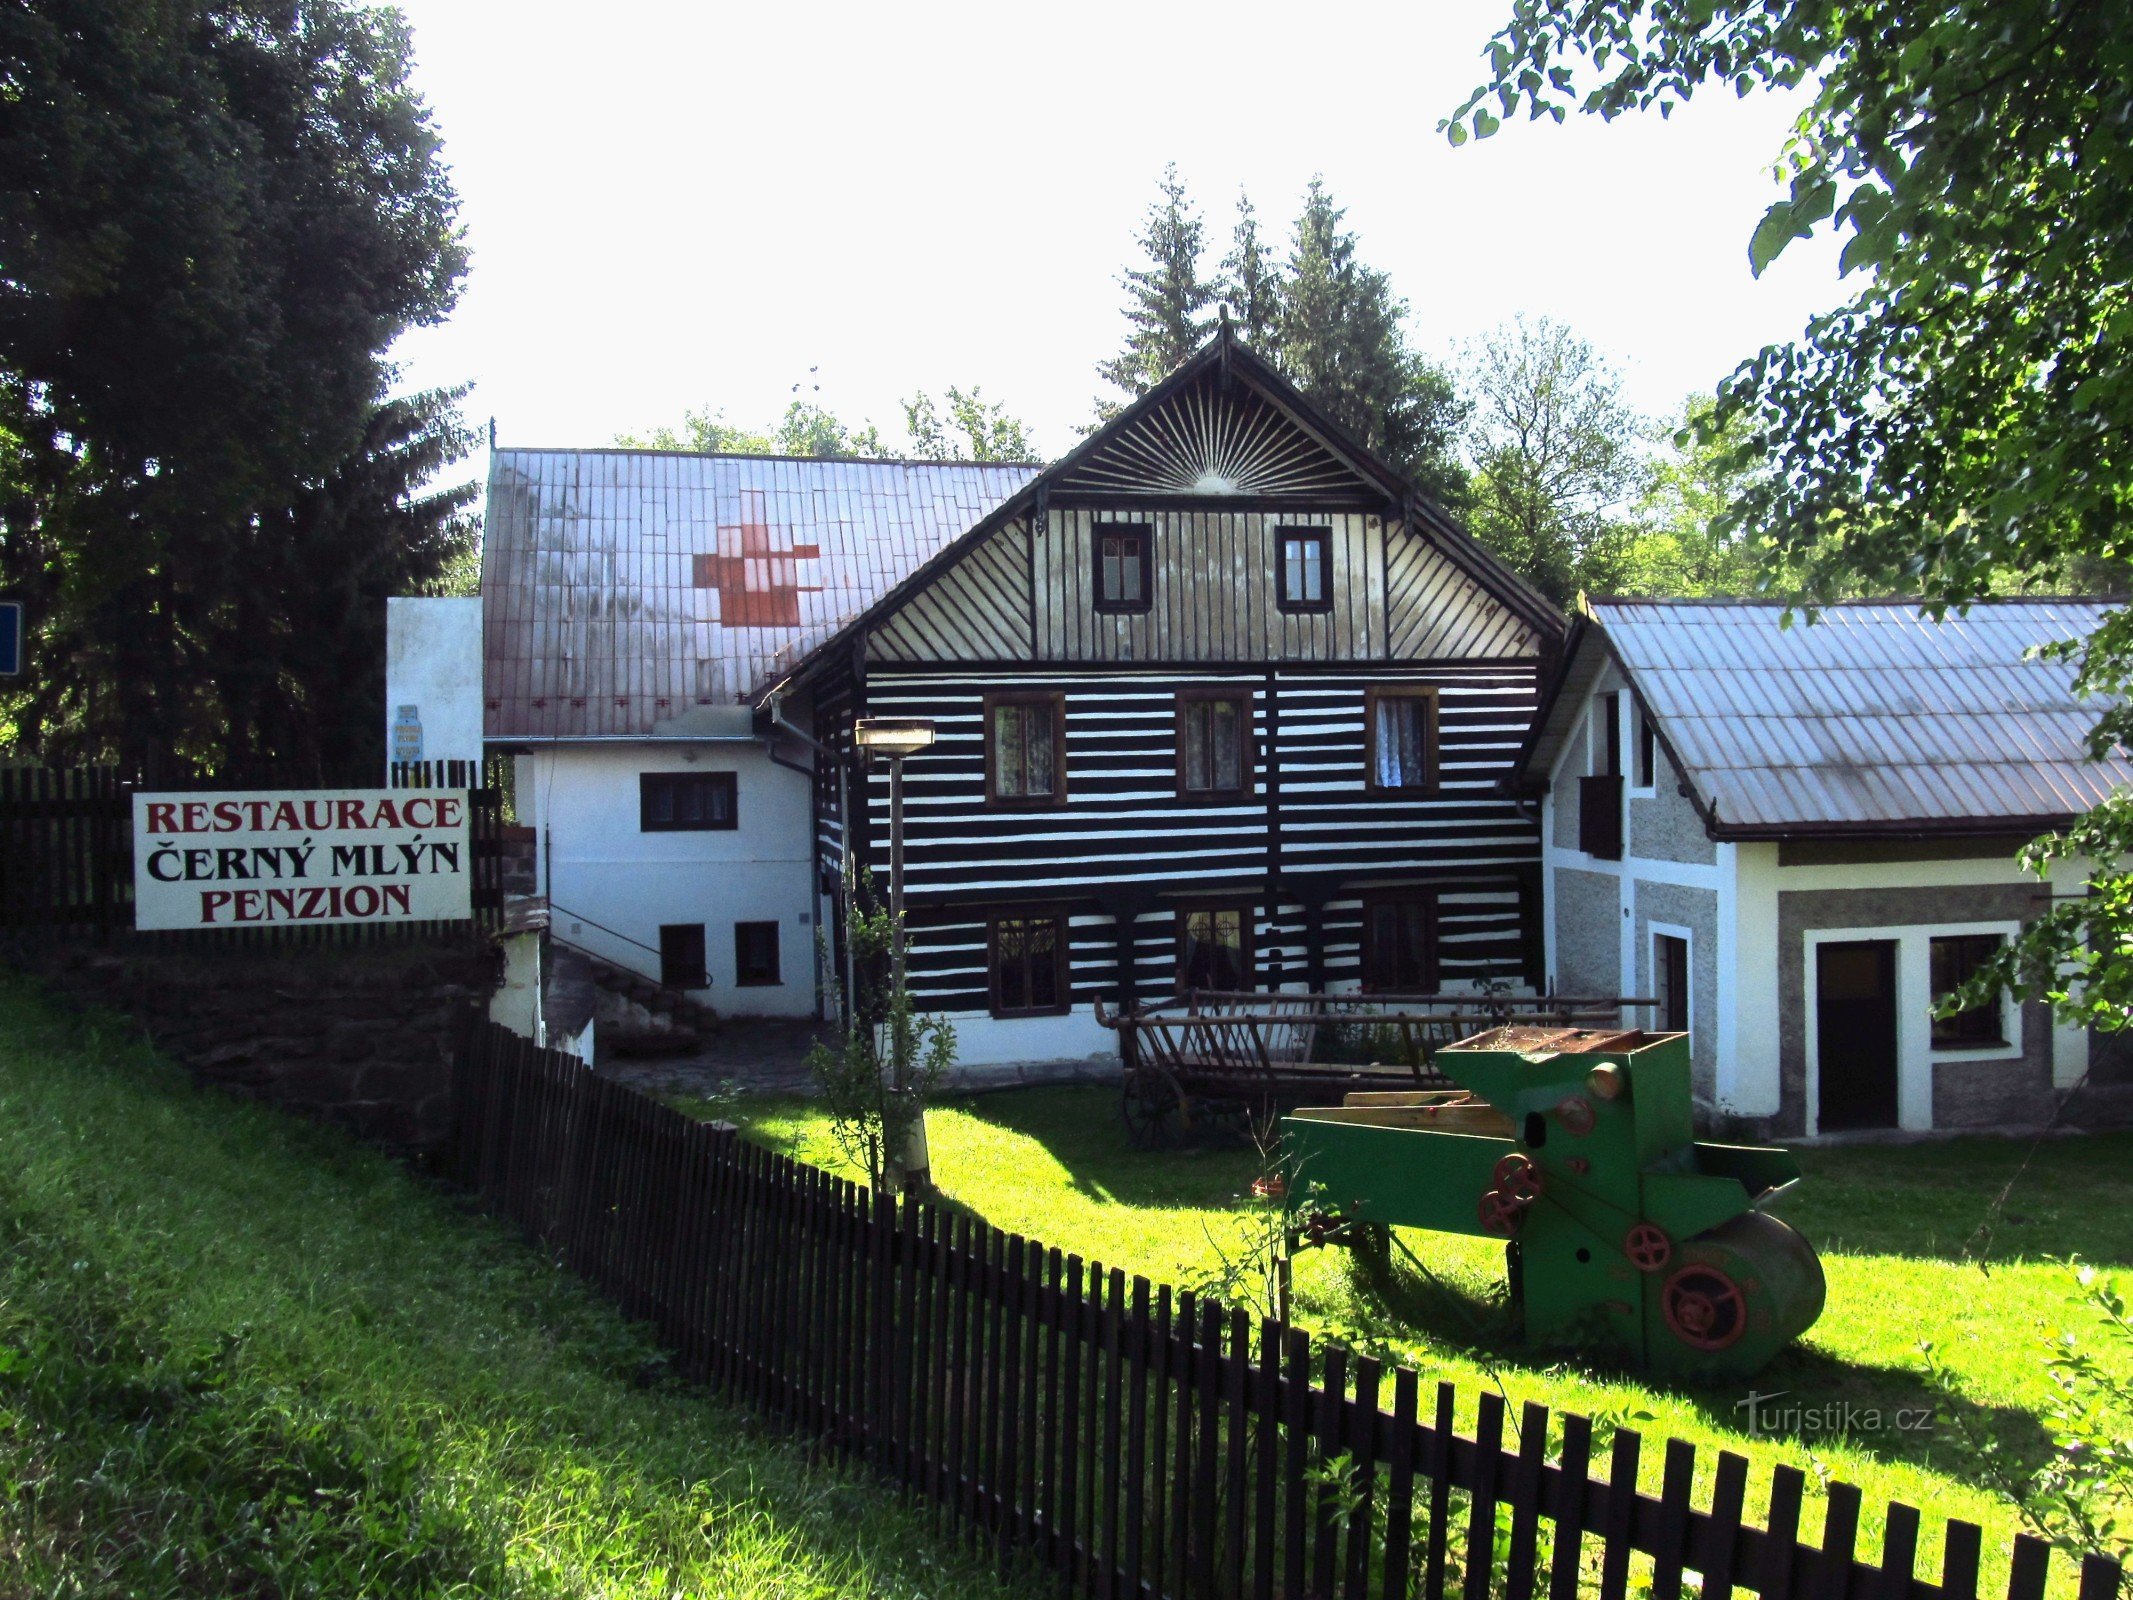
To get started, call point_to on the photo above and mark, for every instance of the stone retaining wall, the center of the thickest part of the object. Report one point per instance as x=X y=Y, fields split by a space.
x=362 y=1037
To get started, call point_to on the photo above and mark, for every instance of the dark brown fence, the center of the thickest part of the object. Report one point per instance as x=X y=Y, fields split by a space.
x=66 y=852
x=1135 y=1441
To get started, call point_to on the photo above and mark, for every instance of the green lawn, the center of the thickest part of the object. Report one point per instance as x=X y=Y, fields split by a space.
x=1890 y=1224
x=242 y=1355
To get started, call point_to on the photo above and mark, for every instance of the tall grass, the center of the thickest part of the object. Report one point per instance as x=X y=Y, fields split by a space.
x=242 y=1355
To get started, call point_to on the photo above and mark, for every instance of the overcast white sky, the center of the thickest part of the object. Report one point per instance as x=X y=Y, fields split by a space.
x=675 y=205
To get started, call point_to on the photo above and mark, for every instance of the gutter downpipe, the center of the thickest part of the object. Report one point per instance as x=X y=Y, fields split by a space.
x=775 y=705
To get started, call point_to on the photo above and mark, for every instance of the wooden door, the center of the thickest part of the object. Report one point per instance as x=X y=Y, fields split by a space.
x=1670 y=982
x=1855 y=1034
x=681 y=955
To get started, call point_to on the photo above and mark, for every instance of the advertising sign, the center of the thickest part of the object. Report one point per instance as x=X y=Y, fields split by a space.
x=301 y=855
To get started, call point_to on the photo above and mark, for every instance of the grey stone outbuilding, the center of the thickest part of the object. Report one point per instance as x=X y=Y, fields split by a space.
x=1794 y=835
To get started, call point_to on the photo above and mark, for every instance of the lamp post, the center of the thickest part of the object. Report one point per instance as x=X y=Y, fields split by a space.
x=895 y=738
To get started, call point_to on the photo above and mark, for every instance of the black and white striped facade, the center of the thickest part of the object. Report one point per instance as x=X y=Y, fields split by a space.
x=1217 y=466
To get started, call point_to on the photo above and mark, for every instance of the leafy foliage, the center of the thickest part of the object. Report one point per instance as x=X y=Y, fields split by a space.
x=213 y=222
x=809 y=430
x=975 y=429
x=1680 y=542
x=875 y=1082
x=1555 y=455
x=1963 y=425
x=706 y=431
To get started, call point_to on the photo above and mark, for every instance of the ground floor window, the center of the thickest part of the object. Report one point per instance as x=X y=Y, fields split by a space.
x=1400 y=943
x=1028 y=959
x=755 y=953
x=1955 y=960
x=681 y=956
x=1214 y=948
x=686 y=802
x=1670 y=983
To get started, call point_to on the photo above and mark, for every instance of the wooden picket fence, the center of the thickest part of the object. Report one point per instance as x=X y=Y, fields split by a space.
x=1137 y=1442
x=66 y=854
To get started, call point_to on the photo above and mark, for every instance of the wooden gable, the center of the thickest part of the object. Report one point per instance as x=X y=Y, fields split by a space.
x=1218 y=437
x=1217 y=463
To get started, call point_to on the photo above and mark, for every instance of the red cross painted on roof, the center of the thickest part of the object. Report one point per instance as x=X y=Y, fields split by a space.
x=756 y=570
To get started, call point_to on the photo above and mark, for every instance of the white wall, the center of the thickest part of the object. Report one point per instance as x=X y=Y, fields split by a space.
x=1756 y=1030
x=608 y=882
x=433 y=663
x=988 y=1041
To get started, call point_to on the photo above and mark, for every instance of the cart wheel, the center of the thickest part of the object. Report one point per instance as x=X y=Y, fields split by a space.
x=1151 y=1105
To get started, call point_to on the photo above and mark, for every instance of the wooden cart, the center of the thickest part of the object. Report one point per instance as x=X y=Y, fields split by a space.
x=1237 y=1057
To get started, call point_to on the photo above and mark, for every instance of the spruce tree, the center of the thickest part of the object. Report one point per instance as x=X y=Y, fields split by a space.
x=1166 y=301
x=1251 y=284
x=1341 y=340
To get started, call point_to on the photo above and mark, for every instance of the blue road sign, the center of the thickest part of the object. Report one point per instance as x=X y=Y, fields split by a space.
x=10 y=638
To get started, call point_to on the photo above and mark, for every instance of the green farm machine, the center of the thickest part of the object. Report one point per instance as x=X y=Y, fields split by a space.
x=1576 y=1146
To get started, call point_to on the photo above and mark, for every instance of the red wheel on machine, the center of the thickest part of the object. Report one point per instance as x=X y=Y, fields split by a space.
x=1704 y=1307
x=1518 y=1180
x=1499 y=1214
x=1648 y=1247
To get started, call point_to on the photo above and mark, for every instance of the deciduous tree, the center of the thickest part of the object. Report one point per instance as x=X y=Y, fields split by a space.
x=1965 y=420
x=975 y=429
x=1554 y=452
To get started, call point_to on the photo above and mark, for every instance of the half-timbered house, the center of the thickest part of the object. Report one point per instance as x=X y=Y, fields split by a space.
x=1221 y=702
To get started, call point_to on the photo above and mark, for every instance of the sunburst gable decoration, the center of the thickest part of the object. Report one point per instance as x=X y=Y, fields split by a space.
x=1214 y=439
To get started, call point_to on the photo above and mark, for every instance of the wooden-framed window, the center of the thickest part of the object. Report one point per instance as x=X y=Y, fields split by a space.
x=1215 y=948
x=1303 y=569
x=1124 y=580
x=1400 y=942
x=755 y=954
x=1955 y=958
x=686 y=802
x=1647 y=751
x=681 y=956
x=1025 y=749
x=1214 y=744
x=1400 y=730
x=1027 y=958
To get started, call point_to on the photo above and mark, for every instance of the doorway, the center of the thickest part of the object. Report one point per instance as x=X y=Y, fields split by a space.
x=1855 y=1034
x=681 y=956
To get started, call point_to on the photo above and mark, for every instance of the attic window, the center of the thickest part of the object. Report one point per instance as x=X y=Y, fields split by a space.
x=1303 y=558
x=1123 y=566
x=1647 y=751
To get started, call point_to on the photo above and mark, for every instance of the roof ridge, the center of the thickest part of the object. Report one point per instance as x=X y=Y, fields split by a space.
x=748 y=455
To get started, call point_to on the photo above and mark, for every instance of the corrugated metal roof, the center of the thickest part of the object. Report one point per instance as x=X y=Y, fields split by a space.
x=624 y=589
x=1873 y=716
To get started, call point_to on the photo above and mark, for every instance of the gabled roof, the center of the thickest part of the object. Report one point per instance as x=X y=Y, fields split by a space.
x=1169 y=443
x=624 y=589
x=1874 y=719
